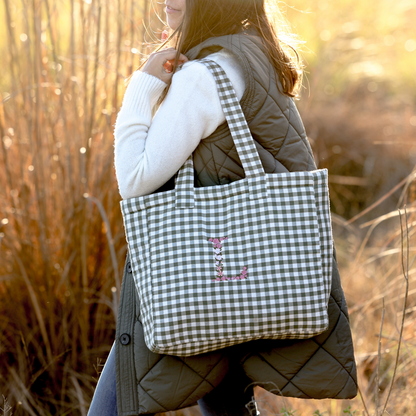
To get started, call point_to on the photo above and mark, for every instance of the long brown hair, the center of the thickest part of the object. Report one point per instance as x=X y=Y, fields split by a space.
x=204 y=19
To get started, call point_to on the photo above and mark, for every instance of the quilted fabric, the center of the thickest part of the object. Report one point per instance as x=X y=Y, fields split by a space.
x=320 y=367
x=273 y=119
x=279 y=225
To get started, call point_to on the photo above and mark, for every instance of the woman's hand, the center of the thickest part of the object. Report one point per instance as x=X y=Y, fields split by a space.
x=160 y=64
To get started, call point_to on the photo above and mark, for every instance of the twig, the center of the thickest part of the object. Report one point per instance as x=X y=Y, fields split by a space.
x=374 y=224
x=23 y=395
x=6 y=408
x=362 y=400
x=36 y=306
x=411 y=177
x=384 y=217
x=405 y=270
x=94 y=88
x=109 y=239
x=379 y=360
x=383 y=198
x=274 y=390
x=118 y=56
x=79 y=396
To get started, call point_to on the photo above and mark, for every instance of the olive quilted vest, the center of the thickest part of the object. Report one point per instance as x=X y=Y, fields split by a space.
x=320 y=367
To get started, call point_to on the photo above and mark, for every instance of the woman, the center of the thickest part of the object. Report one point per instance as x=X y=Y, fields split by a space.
x=239 y=36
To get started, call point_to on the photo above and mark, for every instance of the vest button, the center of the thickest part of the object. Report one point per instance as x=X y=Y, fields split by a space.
x=129 y=267
x=125 y=339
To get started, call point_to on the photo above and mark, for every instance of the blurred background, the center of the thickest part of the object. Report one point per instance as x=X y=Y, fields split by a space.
x=62 y=244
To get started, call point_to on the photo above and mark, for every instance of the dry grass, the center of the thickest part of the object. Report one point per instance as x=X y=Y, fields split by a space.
x=62 y=242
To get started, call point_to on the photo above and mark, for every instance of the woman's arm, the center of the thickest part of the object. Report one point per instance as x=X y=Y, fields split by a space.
x=149 y=152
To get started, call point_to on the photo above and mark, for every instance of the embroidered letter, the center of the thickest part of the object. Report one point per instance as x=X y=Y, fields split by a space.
x=217 y=245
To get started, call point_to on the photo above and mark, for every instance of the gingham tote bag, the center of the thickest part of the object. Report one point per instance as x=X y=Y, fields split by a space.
x=221 y=265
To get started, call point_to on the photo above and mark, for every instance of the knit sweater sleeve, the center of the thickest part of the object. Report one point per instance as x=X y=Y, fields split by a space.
x=148 y=152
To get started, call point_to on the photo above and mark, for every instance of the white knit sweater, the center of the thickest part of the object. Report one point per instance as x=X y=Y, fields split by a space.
x=148 y=152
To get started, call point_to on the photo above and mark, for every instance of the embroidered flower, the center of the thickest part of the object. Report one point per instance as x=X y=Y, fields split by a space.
x=218 y=257
x=217 y=251
x=215 y=241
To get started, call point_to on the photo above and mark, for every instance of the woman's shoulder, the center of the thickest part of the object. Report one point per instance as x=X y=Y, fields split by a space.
x=198 y=72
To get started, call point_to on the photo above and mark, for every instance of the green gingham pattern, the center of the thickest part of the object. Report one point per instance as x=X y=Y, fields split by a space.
x=277 y=226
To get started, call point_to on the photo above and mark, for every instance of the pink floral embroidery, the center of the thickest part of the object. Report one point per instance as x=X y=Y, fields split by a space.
x=217 y=246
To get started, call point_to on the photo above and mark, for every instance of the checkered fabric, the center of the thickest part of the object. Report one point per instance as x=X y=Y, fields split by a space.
x=221 y=265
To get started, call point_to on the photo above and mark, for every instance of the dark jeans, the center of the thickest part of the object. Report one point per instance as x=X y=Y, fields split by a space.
x=228 y=399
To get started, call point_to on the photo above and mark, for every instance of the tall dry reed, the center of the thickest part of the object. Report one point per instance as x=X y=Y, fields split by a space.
x=62 y=243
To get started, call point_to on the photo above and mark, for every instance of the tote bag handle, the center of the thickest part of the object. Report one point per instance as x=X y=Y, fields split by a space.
x=241 y=135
